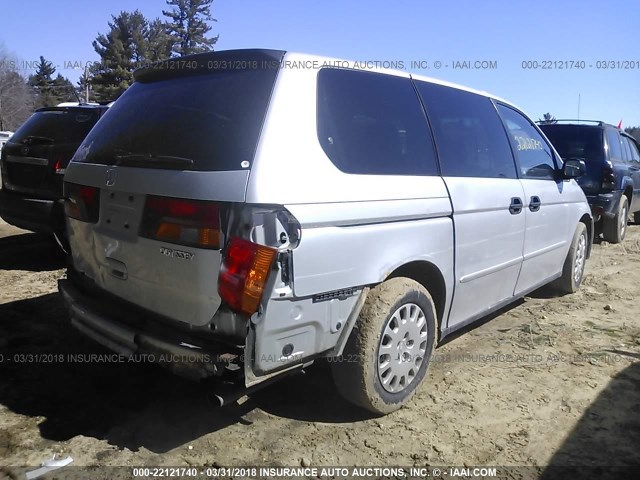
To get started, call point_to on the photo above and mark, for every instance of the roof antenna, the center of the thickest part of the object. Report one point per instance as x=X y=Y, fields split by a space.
x=77 y=96
x=578 y=107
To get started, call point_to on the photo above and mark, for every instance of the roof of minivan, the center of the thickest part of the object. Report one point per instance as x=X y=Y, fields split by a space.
x=155 y=69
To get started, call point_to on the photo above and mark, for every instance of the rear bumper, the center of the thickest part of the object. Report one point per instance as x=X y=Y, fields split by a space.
x=37 y=215
x=169 y=347
x=604 y=204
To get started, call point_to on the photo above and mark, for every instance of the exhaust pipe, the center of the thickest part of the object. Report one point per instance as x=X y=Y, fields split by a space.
x=223 y=395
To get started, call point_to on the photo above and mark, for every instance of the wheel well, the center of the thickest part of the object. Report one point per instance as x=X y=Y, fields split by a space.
x=628 y=192
x=429 y=276
x=588 y=222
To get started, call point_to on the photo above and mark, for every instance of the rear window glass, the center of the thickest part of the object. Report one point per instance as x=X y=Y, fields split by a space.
x=576 y=141
x=372 y=123
x=211 y=119
x=59 y=126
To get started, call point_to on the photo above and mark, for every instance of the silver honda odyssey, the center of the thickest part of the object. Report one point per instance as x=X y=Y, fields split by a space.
x=239 y=214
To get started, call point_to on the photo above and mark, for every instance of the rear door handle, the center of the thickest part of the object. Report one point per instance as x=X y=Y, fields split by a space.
x=534 y=204
x=516 y=206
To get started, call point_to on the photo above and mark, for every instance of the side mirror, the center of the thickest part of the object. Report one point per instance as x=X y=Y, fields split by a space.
x=573 y=169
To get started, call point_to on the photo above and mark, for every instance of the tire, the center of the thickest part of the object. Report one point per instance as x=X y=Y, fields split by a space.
x=398 y=317
x=636 y=218
x=615 y=228
x=573 y=269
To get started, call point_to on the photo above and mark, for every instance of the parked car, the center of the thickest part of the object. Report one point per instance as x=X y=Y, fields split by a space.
x=612 y=178
x=4 y=136
x=243 y=217
x=33 y=163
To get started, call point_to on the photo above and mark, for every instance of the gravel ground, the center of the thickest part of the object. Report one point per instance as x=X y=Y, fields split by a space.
x=548 y=381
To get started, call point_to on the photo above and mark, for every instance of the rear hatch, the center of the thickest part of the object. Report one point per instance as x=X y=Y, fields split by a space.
x=36 y=156
x=582 y=142
x=150 y=187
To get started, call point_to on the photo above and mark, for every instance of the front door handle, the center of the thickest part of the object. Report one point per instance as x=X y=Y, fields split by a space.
x=534 y=203
x=516 y=206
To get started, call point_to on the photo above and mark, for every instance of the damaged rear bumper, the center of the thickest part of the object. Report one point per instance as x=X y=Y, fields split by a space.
x=172 y=348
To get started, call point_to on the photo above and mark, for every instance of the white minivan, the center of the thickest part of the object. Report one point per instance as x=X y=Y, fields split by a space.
x=239 y=214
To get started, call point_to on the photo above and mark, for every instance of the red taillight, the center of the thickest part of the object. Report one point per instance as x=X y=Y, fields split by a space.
x=183 y=222
x=244 y=274
x=82 y=202
x=58 y=167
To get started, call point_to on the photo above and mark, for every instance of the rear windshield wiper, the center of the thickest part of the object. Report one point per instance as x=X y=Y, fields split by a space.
x=150 y=160
x=31 y=138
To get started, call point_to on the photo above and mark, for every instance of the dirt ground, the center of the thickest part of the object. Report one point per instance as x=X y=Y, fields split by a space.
x=548 y=381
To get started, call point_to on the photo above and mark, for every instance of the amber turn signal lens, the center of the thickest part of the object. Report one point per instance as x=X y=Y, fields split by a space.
x=244 y=273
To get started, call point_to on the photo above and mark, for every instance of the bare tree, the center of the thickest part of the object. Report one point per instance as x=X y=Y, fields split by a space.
x=16 y=99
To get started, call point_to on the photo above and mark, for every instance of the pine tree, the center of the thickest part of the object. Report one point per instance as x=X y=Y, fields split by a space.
x=160 y=42
x=121 y=50
x=43 y=83
x=63 y=90
x=547 y=118
x=188 y=25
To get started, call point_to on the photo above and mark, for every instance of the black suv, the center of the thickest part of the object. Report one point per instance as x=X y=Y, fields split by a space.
x=33 y=163
x=612 y=178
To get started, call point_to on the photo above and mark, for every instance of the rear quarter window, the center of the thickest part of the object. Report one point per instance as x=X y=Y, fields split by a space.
x=626 y=148
x=470 y=138
x=373 y=123
x=633 y=148
x=615 y=147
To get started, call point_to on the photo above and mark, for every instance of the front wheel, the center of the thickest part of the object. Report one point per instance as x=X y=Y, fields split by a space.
x=573 y=269
x=615 y=228
x=388 y=351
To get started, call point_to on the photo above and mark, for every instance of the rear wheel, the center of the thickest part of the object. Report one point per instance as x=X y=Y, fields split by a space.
x=636 y=218
x=615 y=228
x=388 y=351
x=573 y=269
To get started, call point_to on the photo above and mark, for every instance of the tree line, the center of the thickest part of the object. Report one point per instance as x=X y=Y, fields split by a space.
x=131 y=40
